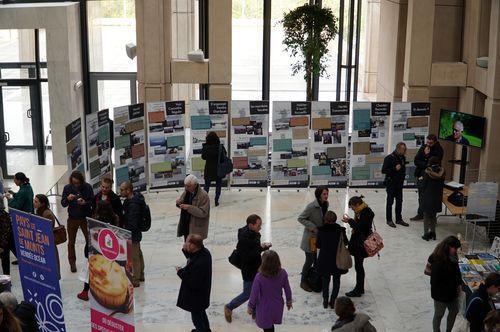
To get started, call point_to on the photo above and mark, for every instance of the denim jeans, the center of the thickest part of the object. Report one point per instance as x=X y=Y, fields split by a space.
x=394 y=194
x=243 y=297
x=218 y=186
x=335 y=286
x=200 y=321
x=439 y=310
x=360 y=273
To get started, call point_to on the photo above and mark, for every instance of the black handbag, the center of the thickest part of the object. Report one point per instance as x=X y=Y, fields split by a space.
x=314 y=279
x=235 y=259
x=225 y=165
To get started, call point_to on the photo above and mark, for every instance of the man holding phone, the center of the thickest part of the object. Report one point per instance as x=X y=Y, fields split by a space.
x=431 y=148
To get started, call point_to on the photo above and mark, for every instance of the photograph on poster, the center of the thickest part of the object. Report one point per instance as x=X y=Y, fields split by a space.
x=74 y=146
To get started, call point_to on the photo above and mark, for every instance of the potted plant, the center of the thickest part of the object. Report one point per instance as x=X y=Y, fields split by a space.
x=308 y=29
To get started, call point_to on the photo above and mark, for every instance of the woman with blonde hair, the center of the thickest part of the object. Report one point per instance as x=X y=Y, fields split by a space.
x=266 y=299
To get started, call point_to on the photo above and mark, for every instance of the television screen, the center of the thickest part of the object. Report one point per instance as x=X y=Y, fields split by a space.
x=461 y=128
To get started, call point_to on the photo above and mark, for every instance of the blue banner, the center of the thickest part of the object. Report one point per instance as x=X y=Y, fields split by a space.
x=35 y=247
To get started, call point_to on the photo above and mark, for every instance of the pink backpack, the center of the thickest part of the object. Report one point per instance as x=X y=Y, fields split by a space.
x=373 y=243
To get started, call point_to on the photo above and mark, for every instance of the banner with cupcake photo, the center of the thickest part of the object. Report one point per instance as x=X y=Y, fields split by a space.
x=110 y=272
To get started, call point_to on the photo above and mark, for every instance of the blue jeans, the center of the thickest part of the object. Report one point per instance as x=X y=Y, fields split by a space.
x=243 y=297
x=200 y=321
x=218 y=185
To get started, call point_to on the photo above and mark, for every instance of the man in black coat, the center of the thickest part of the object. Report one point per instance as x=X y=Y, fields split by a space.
x=133 y=215
x=431 y=148
x=394 y=168
x=108 y=195
x=480 y=303
x=196 y=276
x=249 y=250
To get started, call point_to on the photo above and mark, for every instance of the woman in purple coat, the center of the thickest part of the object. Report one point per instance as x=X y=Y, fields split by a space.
x=266 y=299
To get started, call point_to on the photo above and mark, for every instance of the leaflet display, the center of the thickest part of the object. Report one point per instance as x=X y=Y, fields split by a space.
x=206 y=116
x=98 y=147
x=328 y=157
x=166 y=144
x=130 y=146
x=74 y=146
x=410 y=125
x=290 y=144
x=369 y=143
x=249 y=143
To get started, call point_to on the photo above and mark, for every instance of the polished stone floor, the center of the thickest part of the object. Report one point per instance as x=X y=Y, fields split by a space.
x=397 y=297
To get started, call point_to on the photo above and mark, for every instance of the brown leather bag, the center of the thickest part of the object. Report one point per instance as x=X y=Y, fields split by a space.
x=60 y=235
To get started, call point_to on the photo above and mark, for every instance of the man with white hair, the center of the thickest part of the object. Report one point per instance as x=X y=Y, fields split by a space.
x=456 y=136
x=195 y=209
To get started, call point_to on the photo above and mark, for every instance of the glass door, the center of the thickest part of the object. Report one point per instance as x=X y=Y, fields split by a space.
x=21 y=132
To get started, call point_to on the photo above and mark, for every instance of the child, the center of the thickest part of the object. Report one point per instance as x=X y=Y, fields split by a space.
x=266 y=301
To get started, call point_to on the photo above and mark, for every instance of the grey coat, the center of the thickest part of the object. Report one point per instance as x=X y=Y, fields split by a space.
x=200 y=214
x=311 y=218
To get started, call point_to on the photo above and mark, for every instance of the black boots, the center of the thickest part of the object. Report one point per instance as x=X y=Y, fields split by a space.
x=429 y=236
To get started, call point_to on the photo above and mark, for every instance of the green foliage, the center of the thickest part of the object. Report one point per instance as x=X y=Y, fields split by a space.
x=308 y=29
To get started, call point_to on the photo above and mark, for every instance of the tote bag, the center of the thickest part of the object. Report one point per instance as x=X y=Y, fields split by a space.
x=225 y=165
x=343 y=259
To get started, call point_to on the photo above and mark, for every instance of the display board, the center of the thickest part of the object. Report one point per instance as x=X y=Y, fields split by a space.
x=110 y=267
x=206 y=116
x=36 y=254
x=369 y=143
x=98 y=148
x=410 y=124
x=249 y=143
x=130 y=146
x=166 y=144
x=329 y=143
x=290 y=144
x=74 y=146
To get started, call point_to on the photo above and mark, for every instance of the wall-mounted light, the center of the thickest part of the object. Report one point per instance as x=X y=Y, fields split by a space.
x=77 y=86
x=131 y=50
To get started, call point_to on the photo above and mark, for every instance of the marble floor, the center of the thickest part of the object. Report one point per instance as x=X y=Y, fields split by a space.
x=397 y=297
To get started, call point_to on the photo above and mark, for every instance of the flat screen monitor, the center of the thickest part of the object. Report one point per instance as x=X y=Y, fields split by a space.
x=462 y=128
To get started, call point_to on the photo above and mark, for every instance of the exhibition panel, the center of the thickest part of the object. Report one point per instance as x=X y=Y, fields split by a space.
x=98 y=148
x=74 y=146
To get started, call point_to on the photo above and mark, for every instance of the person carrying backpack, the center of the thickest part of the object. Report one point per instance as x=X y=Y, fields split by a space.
x=137 y=219
x=480 y=303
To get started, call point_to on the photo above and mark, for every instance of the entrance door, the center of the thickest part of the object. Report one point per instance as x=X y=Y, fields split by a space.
x=21 y=129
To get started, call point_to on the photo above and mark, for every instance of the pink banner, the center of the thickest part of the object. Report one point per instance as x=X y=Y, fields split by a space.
x=105 y=323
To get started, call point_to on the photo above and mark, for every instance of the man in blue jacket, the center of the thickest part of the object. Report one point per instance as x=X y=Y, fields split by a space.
x=480 y=303
x=133 y=215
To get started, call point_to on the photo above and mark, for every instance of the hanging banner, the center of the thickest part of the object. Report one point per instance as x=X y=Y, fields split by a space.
x=166 y=144
x=36 y=256
x=369 y=143
x=410 y=124
x=110 y=271
x=74 y=146
x=206 y=116
x=290 y=144
x=98 y=148
x=249 y=143
x=130 y=146
x=328 y=158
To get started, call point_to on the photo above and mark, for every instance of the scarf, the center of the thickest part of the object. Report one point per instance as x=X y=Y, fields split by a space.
x=185 y=216
x=323 y=206
x=360 y=208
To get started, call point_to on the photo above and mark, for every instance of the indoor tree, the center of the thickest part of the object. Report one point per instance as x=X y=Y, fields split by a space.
x=308 y=29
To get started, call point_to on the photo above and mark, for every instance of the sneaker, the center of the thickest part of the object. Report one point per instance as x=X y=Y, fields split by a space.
x=417 y=218
x=228 y=314
x=83 y=295
x=391 y=224
x=305 y=286
x=402 y=223
x=353 y=293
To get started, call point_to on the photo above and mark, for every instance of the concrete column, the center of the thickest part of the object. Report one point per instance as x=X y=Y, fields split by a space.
x=372 y=46
x=154 y=49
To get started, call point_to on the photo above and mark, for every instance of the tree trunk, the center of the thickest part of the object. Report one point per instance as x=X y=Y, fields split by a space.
x=309 y=91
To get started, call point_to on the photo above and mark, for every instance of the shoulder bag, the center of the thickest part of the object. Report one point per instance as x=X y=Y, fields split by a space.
x=373 y=243
x=343 y=259
x=224 y=165
x=60 y=235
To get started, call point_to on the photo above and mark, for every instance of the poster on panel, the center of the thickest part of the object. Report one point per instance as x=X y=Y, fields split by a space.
x=38 y=268
x=74 y=146
x=110 y=271
x=410 y=125
x=98 y=148
x=330 y=135
x=130 y=146
x=249 y=143
x=290 y=144
x=206 y=116
x=369 y=143
x=166 y=144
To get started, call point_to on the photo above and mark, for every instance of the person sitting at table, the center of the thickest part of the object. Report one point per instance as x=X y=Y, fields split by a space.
x=480 y=303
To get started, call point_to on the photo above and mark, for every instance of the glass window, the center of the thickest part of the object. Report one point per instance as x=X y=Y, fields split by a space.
x=111 y=25
x=113 y=94
x=17 y=46
x=47 y=135
x=247 y=49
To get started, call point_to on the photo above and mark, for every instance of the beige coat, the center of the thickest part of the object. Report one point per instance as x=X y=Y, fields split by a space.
x=200 y=214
